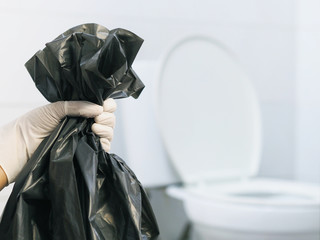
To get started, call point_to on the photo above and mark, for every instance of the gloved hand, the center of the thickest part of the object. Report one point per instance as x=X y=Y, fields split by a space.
x=20 y=138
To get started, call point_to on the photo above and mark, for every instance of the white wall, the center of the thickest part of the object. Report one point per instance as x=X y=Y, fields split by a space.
x=308 y=87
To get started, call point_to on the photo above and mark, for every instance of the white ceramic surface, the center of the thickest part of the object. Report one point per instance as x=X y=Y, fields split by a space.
x=252 y=208
x=208 y=112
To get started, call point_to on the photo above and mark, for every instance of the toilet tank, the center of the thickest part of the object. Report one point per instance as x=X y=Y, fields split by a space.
x=137 y=137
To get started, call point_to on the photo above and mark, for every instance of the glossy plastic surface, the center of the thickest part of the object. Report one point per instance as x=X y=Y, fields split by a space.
x=87 y=62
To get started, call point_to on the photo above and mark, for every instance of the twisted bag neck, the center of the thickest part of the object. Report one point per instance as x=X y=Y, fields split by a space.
x=87 y=62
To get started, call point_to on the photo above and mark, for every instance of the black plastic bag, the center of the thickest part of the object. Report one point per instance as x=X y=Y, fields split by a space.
x=71 y=189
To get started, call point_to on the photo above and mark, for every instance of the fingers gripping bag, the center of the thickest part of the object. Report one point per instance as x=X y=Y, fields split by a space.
x=71 y=189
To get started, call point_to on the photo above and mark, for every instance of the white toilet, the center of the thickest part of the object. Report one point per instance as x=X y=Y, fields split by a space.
x=209 y=121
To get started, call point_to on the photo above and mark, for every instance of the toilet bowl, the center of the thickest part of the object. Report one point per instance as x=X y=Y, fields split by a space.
x=252 y=209
x=206 y=113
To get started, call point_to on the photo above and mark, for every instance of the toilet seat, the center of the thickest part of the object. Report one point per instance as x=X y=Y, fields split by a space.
x=262 y=192
x=228 y=206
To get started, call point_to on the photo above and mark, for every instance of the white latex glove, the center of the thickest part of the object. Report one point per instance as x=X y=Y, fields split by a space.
x=104 y=124
x=20 y=138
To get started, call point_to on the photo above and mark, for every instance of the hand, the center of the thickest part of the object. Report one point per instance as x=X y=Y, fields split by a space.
x=20 y=138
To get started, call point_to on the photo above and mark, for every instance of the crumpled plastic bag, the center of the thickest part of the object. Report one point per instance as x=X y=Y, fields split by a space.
x=71 y=189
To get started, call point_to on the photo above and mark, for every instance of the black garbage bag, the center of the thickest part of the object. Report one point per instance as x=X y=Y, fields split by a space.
x=71 y=189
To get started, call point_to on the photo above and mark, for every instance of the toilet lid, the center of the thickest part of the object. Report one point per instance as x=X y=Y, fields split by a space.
x=208 y=112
